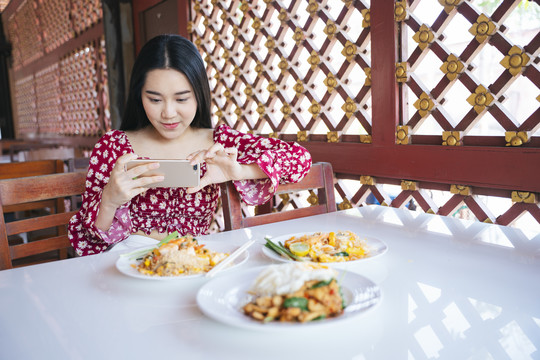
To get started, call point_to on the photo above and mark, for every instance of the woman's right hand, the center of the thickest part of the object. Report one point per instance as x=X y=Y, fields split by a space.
x=124 y=184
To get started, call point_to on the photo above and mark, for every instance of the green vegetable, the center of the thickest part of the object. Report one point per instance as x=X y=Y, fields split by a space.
x=138 y=254
x=296 y=302
x=281 y=250
x=321 y=284
x=171 y=236
x=321 y=317
x=343 y=305
x=343 y=253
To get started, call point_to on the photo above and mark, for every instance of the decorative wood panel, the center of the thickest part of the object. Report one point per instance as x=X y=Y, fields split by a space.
x=81 y=72
x=274 y=74
x=307 y=71
x=298 y=70
x=26 y=101
x=84 y=14
x=55 y=23
x=25 y=35
x=505 y=65
x=477 y=76
x=59 y=67
x=48 y=100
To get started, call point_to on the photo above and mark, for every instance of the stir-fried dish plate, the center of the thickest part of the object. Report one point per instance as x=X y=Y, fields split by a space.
x=223 y=299
x=133 y=263
x=330 y=248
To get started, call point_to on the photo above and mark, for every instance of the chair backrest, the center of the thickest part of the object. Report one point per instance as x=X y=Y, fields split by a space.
x=78 y=164
x=62 y=153
x=320 y=177
x=19 y=151
x=6 y=146
x=30 y=168
x=31 y=189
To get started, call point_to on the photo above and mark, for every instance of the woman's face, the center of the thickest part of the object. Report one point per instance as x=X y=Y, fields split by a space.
x=169 y=102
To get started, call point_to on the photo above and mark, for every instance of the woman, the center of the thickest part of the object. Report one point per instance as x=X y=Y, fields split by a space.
x=168 y=117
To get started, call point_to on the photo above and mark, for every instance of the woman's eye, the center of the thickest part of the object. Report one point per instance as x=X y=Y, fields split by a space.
x=154 y=100
x=181 y=100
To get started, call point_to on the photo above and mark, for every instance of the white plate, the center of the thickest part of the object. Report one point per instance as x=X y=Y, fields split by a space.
x=376 y=248
x=124 y=263
x=222 y=299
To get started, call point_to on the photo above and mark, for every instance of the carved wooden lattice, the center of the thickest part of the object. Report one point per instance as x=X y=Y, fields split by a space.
x=457 y=80
x=68 y=94
x=81 y=74
x=277 y=73
x=85 y=13
x=479 y=90
x=25 y=35
x=514 y=63
x=297 y=70
x=66 y=98
x=300 y=70
x=48 y=100
x=25 y=98
x=55 y=23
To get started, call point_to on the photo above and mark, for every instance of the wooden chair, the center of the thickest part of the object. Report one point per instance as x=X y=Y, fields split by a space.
x=320 y=177
x=78 y=164
x=31 y=189
x=20 y=152
x=30 y=168
x=7 y=144
x=62 y=153
x=24 y=169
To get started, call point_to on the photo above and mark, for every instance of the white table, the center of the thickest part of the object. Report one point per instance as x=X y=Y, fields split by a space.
x=451 y=289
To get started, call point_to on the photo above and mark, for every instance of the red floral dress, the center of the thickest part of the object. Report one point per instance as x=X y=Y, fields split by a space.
x=172 y=209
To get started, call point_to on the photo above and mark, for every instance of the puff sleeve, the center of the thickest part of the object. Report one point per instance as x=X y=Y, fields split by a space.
x=84 y=236
x=283 y=162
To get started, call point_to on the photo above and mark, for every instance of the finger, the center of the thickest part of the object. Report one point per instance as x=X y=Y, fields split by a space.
x=193 y=154
x=192 y=190
x=217 y=147
x=196 y=157
x=138 y=191
x=201 y=155
x=142 y=181
x=214 y=149
x=232 y=152
x=202 y=183
x=122 y=161
x=210 y=155
x=138 y=170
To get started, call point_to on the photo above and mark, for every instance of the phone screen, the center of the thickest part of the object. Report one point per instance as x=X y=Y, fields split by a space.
x=177 y=173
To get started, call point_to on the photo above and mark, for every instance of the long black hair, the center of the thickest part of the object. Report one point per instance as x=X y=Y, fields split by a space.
x=167 y=52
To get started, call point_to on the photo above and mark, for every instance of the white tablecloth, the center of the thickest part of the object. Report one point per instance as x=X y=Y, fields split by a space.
x=451 y=289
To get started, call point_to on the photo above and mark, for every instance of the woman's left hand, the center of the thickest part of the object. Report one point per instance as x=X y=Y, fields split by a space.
x=221 y=165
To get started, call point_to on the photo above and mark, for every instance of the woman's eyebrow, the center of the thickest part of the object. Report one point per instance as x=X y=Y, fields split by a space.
x=151 y=92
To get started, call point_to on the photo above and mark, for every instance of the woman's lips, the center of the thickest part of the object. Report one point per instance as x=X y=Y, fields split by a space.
x=170 y=126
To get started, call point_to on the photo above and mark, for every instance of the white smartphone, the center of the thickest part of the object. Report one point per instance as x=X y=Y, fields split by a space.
x=178 y=173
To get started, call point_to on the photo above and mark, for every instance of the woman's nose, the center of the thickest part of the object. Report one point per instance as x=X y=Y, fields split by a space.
x=168 y=110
